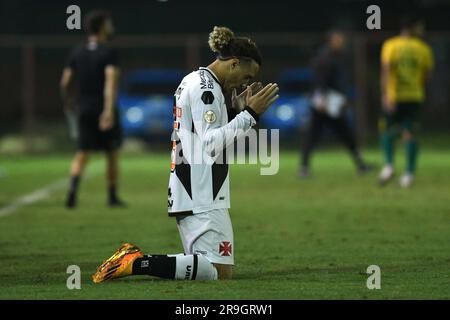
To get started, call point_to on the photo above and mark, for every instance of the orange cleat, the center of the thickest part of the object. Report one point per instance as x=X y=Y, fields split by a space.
x=119 y=265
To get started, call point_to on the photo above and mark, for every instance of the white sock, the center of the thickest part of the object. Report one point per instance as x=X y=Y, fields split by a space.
x=194 y=267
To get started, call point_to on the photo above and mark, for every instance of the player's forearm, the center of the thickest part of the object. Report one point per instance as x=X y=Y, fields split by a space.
x=110 y=90
x=109 y=100
x=66 y=88
x=215 y=140
x=110 y=93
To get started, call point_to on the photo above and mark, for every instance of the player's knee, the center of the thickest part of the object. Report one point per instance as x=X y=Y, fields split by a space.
x=224 y=271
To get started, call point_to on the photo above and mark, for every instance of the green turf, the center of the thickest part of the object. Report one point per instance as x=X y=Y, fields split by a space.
x=294 y=239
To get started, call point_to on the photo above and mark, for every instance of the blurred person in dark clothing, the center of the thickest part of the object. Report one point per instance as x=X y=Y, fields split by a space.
x=92 y=68
x=329 y=101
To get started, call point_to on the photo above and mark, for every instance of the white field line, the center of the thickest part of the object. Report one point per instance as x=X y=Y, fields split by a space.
x=33 y=197
x=41 y=193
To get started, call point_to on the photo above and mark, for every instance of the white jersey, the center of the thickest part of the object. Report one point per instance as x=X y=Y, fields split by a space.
x=199 y=171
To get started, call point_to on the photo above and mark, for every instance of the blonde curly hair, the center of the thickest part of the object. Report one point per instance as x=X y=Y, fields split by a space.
x=220 y=38
x=226 y=45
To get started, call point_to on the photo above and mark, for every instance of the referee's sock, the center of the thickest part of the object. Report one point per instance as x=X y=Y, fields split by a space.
x=74 y=182
x=113 y=198
x=112 y=193
x=71 y=200
x=179 y=267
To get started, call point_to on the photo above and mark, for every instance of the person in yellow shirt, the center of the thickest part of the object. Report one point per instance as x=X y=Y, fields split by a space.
x=406 y=62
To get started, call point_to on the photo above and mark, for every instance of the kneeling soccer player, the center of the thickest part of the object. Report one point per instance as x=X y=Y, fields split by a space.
x=199 y=190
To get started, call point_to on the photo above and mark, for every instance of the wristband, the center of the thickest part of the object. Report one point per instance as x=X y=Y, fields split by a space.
x=252 y=113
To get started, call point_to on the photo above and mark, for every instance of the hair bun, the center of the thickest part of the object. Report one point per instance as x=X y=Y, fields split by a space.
x=220 y=38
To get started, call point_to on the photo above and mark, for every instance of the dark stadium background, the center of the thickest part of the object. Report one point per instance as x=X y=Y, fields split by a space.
x=34 y=43
x=295 y=238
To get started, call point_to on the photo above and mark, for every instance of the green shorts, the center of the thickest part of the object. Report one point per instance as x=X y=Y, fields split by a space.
x=405 y=117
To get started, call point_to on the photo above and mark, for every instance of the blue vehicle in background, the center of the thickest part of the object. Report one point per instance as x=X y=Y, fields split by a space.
x=146 y=98
x=145 y=103
x=291 y=112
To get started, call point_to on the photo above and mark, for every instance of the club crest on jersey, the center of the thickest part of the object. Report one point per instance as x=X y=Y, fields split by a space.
x=225 y=249
x=210 y=116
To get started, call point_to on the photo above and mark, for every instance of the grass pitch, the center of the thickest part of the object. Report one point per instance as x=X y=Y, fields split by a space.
x=294 y=239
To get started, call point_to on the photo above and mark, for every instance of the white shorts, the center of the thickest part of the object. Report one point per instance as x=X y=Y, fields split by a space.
x=209 y=234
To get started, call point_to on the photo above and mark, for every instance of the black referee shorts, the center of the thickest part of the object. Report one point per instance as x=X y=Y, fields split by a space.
x=91 y=138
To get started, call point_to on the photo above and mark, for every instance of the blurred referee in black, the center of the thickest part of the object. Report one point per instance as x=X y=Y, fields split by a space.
x=330 y=83
x=92 y=68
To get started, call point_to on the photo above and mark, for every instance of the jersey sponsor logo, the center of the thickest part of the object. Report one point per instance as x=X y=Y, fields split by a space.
x=205 y=82
x=225 y=249
x=210 y=116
